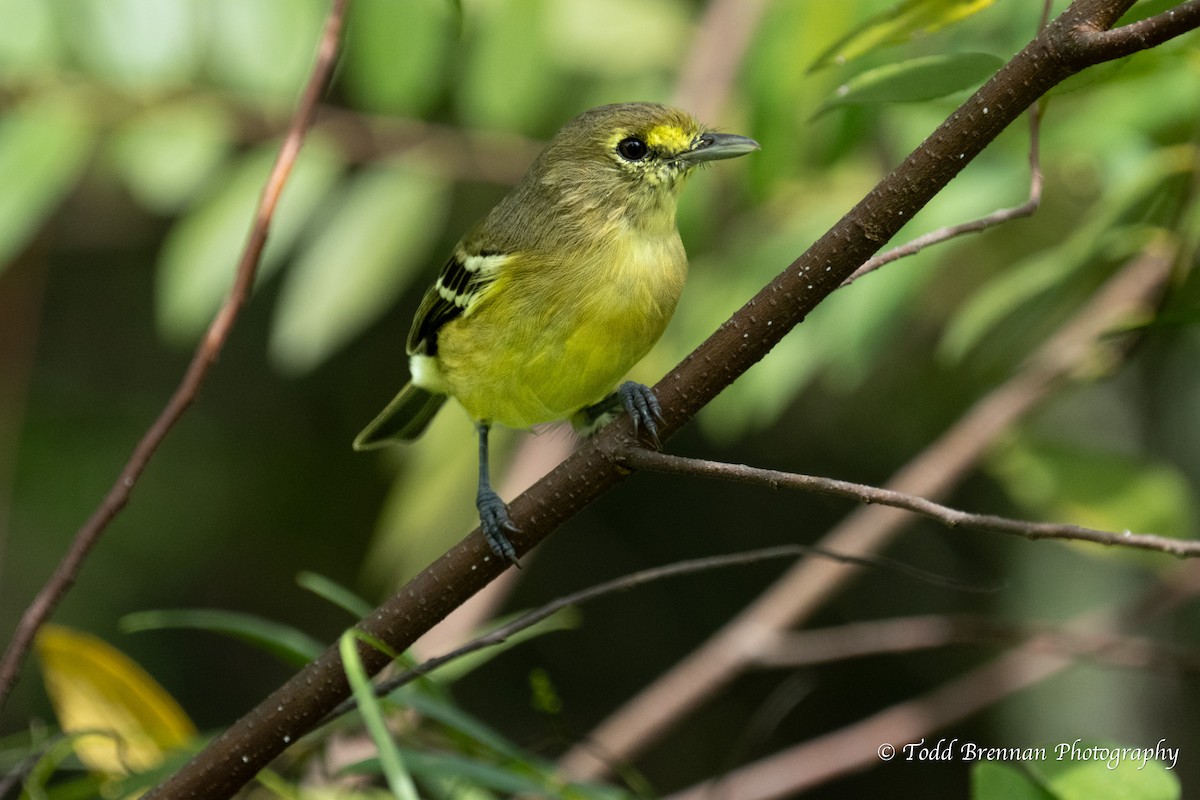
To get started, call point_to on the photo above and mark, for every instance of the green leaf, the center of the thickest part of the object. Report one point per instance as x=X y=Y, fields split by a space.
x=993 y=781
x=140 y=44
x=454 y=770
x=199 y=256
x=335 y=593
x=44 y=146
x=460 y=721
x=289 y=644
x=461 y=776
x=1113 y=232
x=266 y=47
x=905 y=21
x=28 y=39
x=352 y=271
x=398 y=779
x=1092 y=771
x=915 y=80
x=394 y=56
x=54 y=755
x=582 y=36
x=169 y=153
x=564 y=619
x=508 y=79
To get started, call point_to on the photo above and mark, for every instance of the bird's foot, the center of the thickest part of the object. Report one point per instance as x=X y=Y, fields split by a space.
x=493 y=519
x=643 y=408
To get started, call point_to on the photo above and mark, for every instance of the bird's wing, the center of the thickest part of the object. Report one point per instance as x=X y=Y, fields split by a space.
x=463 y=281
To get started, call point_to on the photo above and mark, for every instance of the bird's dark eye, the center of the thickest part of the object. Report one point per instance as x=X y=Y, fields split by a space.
x=632 y=148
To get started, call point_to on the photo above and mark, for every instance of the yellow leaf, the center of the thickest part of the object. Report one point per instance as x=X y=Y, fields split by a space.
x=907 y=20
x=130 y=720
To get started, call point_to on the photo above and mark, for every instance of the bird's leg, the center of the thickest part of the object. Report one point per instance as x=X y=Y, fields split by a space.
x=638 y=400
x=493 y=514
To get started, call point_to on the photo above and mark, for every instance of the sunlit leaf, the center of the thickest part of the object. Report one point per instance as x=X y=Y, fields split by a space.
x=1115 y=231
x=915 y=80
x=776 y=85
x=583 y=35
x=993 y=781
x=902 y=22
x=508 y=81
x=200 y=254
x=1091 y=771
x=142 y=44
x=93 y=687
x=43 y=148
x=393 y=59
x=28 y=39
x=264 y=47
x=169 y=153
x=350 y=274
x=290 y=645
x=1006 y=293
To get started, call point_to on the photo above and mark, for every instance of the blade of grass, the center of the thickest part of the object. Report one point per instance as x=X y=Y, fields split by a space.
x=398 y=779
x=332 y=591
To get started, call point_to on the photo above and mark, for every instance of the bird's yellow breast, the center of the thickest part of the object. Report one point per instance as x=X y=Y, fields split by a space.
x=553 y=335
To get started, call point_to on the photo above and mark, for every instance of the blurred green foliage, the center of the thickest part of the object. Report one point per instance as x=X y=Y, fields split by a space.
x=134 y=139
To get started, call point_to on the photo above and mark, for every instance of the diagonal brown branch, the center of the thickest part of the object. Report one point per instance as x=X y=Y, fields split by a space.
x=206 y=354
x=236 y=755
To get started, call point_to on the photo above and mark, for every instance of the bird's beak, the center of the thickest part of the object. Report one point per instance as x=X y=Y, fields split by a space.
x=715 y=146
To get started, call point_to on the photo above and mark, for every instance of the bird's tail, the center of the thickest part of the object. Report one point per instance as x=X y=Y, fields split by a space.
x=404 y=419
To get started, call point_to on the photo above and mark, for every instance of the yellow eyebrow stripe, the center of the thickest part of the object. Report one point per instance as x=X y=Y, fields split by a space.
x=668 y=138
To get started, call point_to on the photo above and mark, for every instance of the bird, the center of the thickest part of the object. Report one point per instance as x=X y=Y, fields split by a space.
x=545 y=305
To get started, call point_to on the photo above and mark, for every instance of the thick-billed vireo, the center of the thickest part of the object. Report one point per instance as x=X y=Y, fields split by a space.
x=546 y=304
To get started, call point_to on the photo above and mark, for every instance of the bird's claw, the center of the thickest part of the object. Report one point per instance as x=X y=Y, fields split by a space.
x=643 y=408
x=493 y=519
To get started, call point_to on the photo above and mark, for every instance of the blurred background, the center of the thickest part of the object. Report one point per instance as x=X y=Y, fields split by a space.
x=135 y=137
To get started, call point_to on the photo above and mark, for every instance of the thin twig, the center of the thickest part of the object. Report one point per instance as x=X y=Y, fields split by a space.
x=206 y=354
x=932 y=473
x=998 y=217
x=641 y=458
x=633 y=580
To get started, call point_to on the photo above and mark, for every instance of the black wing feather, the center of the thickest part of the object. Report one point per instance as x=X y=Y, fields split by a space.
x=449 y=297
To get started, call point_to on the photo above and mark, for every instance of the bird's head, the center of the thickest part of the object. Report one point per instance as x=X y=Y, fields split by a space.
x=631 y=156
